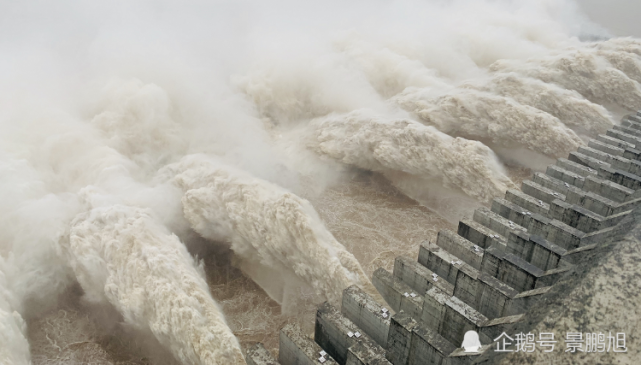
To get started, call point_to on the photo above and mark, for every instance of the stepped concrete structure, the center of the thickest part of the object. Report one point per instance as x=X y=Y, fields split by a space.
x=553 y=258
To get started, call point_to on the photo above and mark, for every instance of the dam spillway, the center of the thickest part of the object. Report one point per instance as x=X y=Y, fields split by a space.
x=497 y=274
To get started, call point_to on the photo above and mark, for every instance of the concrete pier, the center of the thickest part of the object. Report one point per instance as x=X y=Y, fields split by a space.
x=633 y=139
x=623 y=178
x=606 y=148
x=450 y=317
x=530 y=203
x=367 y=314
x=418 y=277
x=258 y=355
x=536 y=250
x=343 y=340
x=413 y=344
x=487 y=275
x=297 y=349
x=565 y=176
x=531 y=222
x=460 y=247
x=479 y=235
x=439 y=261
x=495 y=222
x=576 y=168
x=397 y=294
x=538 y=191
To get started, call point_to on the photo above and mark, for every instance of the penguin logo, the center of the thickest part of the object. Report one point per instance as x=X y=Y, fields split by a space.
x=471 y=342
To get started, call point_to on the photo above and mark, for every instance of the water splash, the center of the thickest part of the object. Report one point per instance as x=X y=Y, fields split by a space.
x=481 y=115
x=569 y=106
x=121 y=255
x=403 y=146
x=272 y=230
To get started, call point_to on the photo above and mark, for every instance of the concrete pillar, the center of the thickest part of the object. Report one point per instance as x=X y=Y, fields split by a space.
x=634 y=168
x=632 y=154
x=540 y=192
x=551 y=183
x=258 y=355
x=623 y=178
x=366 y=313
x=576 y=168
x=607 y=189
x=450 y=317
x=550 y=277
x=460 y=318
x=493 y=297
x=533 y=223
x=397 y=294
x=592 y=202
x=337 y=334
x=518 y=273
x=468 y=286
x=492 y=260
x=482 y=292
x=611 y=150
x=615 y=161
x=415 y=344
x=399 y=342
x=627 y=130
x=536 y=250
x=438 y=261
x=433 y=314
x=631 y=121
x=626 y=206
x=496 y=222
x=418 y=277
x=460 y=247
x=527 y=202
x=479 y=235
x=634 y=140
x=581 y=218
x=565 y=176
x=590 y=161
x=428 y=347
x=361 y=354
x=616 y=142
x=297 y=349
x=563 y=235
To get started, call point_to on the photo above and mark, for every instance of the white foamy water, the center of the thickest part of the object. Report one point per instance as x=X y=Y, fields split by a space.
x=278 y=235
x=568 y=106
x=14 y=348
x=262 y=97
x=121 y=255
x=626 y=44
x=584 y=71
x=404 y=146
x=489 y=117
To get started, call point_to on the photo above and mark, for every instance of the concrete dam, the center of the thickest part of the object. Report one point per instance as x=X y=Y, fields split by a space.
x=527 y=264
x=287 y=182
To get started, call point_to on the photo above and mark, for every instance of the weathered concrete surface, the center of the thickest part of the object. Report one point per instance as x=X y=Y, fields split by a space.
x=258 y=355
x=602 y=294
x=366 y=313
x=298 y=349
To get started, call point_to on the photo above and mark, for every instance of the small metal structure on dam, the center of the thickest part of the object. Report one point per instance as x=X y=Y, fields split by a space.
x=491 y=275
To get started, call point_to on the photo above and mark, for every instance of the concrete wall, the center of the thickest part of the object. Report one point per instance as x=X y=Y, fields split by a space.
x=367 y=314
x=297 y=349
x=258 y=355
x=501 y=268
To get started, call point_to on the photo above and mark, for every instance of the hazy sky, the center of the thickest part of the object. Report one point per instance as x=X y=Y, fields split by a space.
x=621 y=17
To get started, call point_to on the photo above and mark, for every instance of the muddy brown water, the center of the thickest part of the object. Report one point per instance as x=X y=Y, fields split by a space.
x=364 y=212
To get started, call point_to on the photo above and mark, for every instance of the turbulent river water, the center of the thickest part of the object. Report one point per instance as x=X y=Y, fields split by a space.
x=177 y=183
